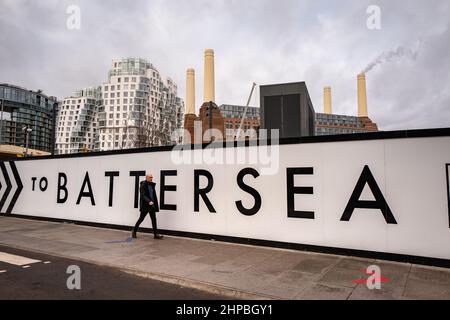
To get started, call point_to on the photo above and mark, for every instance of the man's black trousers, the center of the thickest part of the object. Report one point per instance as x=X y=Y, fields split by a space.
x=141 y=219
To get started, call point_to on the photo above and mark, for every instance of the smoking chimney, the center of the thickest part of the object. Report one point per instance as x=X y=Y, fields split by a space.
x=190 y=91
x=362 y=96
x=209 y=85
x=327 y=100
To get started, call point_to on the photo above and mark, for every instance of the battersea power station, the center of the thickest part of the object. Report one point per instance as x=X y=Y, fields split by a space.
x=210 y=116
x=283 y=107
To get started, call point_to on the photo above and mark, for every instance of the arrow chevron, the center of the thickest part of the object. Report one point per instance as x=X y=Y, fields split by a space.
x=19 y=187
x=8 y=185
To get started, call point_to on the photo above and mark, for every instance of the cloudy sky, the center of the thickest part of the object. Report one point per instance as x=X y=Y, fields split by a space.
x=263 y=41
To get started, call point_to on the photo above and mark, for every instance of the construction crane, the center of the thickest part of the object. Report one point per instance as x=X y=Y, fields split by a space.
x=238 y=134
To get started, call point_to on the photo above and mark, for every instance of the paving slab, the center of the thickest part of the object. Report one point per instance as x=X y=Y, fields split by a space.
x=318 y=291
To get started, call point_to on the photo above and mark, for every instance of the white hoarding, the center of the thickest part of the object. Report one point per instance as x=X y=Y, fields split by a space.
x=387 y=196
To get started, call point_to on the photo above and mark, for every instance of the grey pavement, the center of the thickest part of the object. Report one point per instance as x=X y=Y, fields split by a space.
x=236 y=271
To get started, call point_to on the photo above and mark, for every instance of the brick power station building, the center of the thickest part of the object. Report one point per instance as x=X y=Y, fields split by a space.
x=284 y=107
x=328 y=123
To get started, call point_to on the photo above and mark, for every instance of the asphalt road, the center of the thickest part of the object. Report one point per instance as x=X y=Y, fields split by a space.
x=47 y=279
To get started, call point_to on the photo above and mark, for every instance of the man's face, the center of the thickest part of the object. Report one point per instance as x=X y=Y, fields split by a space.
x=149 y=178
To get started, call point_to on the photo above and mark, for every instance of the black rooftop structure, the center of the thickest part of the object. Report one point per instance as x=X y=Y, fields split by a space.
x=288 y=108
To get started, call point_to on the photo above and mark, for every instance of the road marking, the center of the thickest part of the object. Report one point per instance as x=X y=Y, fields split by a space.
x=16 y=260
x=47 y=262
x=2 y=271
x=25 y=267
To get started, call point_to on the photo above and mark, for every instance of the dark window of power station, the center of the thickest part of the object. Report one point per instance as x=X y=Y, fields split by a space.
x=283 y=112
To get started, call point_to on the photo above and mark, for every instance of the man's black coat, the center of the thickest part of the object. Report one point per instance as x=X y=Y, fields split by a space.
x=145 y=197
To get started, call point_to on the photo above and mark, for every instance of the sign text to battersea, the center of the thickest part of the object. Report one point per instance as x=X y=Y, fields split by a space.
x=87 y=193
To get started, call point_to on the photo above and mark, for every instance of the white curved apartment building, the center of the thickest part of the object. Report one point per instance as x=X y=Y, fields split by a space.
x=137 y=107
x=76 y=123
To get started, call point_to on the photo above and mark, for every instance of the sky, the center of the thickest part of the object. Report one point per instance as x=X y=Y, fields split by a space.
x=324 y=43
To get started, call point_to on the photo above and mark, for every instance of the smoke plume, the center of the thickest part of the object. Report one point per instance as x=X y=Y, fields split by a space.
x=400 y=53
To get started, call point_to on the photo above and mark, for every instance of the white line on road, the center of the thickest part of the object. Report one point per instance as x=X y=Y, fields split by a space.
x=2 y=271
x=47 y=262
x=25 y=267
x=16 y=260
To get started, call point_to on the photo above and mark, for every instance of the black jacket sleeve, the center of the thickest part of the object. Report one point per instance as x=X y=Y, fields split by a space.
x=156 y=205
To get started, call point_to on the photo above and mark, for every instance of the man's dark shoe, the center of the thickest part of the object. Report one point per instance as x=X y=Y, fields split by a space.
x=158 y=237
x=134 y=235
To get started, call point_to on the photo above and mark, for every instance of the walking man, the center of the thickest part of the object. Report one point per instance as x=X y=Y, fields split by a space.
x=148 y=205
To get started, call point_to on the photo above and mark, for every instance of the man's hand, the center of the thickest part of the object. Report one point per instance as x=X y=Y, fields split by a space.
x=151 y=203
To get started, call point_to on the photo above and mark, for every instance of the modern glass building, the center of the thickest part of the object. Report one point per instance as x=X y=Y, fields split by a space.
x=335 y=124
x=233 y=111
x=22 y=110
x=232 y=116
